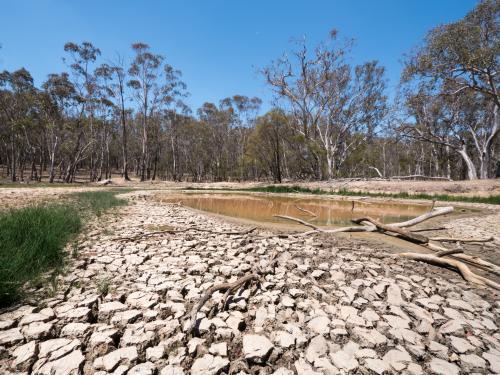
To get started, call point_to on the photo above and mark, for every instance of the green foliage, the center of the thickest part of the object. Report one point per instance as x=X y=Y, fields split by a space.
x=98 y=202
x=103 y=286
x=31 y=242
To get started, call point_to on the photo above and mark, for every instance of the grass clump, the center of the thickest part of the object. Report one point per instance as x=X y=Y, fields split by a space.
x=97 y=202
x=32 y=240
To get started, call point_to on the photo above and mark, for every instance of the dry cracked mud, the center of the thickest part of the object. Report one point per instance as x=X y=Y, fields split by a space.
x=327 y=306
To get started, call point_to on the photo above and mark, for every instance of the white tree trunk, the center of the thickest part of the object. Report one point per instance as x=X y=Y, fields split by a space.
x=471 y=168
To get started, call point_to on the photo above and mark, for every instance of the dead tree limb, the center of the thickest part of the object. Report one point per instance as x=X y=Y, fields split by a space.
x=421 y=177
x=458 y=266
x=413 y=237
x=300 y=221
x=306 y=211
x=472 y=260
x=451 y=239
x=439 y=211
x=376 y=170
x=449 y=252
x=231 y=287
x=429 y=229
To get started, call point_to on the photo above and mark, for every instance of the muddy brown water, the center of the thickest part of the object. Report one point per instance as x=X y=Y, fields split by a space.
x=261 y=208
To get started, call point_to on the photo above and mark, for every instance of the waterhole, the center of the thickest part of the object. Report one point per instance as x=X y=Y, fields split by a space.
x=328 y=212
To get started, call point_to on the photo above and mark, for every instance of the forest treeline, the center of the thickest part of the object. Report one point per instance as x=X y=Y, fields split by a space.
x=329 y=117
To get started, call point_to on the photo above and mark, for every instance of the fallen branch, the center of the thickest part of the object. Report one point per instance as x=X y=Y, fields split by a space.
x=300 y=221
x=429 y=229
x=472 y=260
x=449 y=252
x=456 y=265
x=439 y=211
x=451 y=239
x=413 y=237
x=228 y=287
x=306 y=211
x=420 y=176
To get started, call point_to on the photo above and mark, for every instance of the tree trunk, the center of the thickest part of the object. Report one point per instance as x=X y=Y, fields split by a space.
x=471 y=168
x=485 y=157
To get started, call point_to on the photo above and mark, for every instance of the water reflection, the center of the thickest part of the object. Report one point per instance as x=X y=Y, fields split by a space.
x=329 y=212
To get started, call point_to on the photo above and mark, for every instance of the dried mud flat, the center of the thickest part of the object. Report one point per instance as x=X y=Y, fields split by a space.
x=323 y=305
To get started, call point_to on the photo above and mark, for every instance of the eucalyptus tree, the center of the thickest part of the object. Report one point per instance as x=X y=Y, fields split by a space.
x=17 y=94
x=329 y=100
x=461 y=58
x=82 y=58
x=265 y=143
x=115 y=81
x=58 y=98
x=144 y=71
x=243 y=111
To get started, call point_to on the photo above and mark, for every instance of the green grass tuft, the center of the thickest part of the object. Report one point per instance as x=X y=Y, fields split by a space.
x=31 y=243
x=32 y=240
x=97 y=202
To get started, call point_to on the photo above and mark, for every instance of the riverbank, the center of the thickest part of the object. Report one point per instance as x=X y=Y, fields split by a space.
x=322 y=304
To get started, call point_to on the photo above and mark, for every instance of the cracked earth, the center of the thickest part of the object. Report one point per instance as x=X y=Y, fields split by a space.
x=327 y=306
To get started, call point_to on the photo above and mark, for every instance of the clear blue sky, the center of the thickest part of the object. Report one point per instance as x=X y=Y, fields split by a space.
x=217 y=44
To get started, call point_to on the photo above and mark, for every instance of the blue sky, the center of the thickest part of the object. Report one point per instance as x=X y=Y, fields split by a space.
x=218 y=45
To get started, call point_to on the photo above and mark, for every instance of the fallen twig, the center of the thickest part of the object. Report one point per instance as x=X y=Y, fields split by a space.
x=429 y=229
x=228 y=287
x=449 y=252
x=300 y=221
x=451 y=239
x=306 y=211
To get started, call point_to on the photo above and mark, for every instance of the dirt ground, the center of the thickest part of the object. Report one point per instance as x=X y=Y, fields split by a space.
x=323 y=304
x=482 y=188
